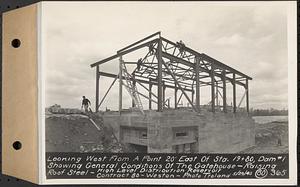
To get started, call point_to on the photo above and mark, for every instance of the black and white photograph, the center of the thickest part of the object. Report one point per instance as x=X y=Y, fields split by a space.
x=202 y=82
x=168 y=78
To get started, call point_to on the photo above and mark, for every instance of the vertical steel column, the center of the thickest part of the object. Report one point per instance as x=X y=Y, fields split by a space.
x=224 y=91
x=164 y=95
x=177 y=83
x=197 y=77
x=234 y=93
x=247 y=95
x=120 y=84
x=175 y=96
x=193 y=93
x=159 y=77
x=97 y=88
x=134 y=85
x=212 y=76
x=150 y=96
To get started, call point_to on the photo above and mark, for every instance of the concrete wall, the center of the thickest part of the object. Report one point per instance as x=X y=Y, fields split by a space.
x=214 y=133
x=137 y=136
x=226 y=133
x=115 y=121
x=162 y=127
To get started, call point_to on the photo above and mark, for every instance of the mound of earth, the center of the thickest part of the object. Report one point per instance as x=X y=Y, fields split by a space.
x=270 y=138
x=77 y=133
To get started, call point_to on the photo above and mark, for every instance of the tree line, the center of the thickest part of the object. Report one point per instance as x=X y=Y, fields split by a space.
x=269 y=112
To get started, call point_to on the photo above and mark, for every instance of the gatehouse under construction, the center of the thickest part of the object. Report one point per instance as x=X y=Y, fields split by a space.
x=216 y=127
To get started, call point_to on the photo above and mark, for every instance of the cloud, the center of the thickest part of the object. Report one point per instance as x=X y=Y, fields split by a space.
x=232 y=40
x=250 y=38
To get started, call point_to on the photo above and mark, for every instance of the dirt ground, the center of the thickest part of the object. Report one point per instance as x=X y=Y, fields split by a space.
x=270 y=138
x=75 y=133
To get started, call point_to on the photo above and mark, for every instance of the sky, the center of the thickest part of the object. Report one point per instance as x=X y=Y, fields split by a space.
x=251 y=38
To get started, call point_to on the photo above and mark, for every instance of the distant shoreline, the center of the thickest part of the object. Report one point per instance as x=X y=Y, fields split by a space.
x=270 y=115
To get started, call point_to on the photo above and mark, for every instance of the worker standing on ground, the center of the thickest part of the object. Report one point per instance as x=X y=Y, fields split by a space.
x=85 y=104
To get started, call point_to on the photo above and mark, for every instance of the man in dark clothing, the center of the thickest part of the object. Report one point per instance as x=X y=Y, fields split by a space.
x=85 y=104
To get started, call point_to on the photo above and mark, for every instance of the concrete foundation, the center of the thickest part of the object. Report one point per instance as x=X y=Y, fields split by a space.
x=183 y=131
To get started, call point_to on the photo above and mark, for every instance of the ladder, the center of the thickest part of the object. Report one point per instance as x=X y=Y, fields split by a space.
x=131 y=88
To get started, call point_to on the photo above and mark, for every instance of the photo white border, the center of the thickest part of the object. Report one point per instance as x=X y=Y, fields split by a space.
x=41 y=95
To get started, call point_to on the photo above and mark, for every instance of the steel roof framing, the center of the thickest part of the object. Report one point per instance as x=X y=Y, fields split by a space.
x=176 y=66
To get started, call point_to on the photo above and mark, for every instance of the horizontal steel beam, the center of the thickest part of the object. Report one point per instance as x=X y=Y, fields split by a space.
x=130 y=62
x=176 y=45
x=187 y=63
x=166 y=72
x=167 y=80
x=111 y=85
x=208 y=58
x=105 y=74
x=179 y=86
x=177 y=59
x=123 y=53
x=223 y=66
x=140 y=41
x=141 y=94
